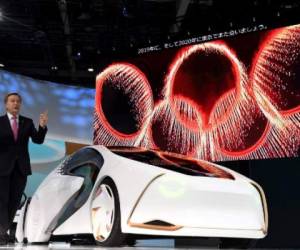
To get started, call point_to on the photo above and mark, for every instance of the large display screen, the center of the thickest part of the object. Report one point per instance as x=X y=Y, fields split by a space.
x=231 y=99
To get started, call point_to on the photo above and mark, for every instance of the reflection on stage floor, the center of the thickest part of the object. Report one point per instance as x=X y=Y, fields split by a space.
x=165 y=244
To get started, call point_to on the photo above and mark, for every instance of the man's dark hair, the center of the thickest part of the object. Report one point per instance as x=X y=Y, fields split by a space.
x=10 y=94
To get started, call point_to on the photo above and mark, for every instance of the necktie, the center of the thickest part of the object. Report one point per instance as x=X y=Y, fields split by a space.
x=15 y=127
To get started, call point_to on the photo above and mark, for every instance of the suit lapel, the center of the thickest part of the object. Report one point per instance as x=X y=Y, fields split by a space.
x=7 y=127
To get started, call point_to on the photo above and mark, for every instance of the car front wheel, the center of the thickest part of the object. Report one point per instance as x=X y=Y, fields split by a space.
x=105 y=215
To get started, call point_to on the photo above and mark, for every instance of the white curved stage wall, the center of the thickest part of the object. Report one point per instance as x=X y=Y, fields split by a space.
x=70 y=108
x=70 y=111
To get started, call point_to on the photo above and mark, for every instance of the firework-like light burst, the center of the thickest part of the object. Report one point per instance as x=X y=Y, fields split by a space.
x=234 y=112
x=255 y=119
x=186 y=113
x=274 y=144
x=274 y=69
x=133 y=83
x=181 y=133
x=272 y=77
x=231 y=137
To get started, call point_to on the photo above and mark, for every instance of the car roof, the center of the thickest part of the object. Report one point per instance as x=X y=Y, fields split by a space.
x=129 y=149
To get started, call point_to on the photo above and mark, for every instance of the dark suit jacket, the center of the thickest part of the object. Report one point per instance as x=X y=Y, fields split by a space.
x=12 y=151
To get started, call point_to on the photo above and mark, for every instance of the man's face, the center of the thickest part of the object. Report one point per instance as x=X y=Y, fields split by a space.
x=13 y=104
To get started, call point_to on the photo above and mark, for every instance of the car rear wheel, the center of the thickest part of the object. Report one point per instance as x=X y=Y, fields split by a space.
x=105 y=215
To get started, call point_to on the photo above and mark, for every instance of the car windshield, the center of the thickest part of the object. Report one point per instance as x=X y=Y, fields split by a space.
x=172 y=162
x=81 y=157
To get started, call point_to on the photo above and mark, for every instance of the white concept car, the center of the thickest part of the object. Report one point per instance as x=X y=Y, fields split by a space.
x=114 y=192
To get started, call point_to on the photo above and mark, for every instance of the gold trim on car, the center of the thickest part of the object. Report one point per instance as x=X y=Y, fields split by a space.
x=147 y=226
x=155 y=227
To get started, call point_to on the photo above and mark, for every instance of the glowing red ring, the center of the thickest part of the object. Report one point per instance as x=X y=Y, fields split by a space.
x=150 y=136
x=189 y=50
x=251 y=149
x=99 y=84
x=268 y=40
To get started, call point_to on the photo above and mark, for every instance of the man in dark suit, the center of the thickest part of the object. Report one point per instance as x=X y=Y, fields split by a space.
x=15 y=131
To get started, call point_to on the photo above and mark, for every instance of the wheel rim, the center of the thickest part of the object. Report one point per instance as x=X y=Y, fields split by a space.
x=103 y=212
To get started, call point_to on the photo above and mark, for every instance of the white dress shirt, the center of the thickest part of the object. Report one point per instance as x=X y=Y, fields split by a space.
x=10 y=117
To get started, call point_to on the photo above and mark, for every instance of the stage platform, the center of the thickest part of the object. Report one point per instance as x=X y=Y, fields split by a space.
x=140 y=245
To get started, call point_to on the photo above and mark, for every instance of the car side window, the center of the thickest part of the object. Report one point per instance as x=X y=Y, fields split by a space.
x=88 y=171
x=83 y=157
x=86 y=163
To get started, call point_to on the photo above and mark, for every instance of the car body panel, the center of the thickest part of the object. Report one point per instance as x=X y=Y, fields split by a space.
x=154 y=201
x=46 y=204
